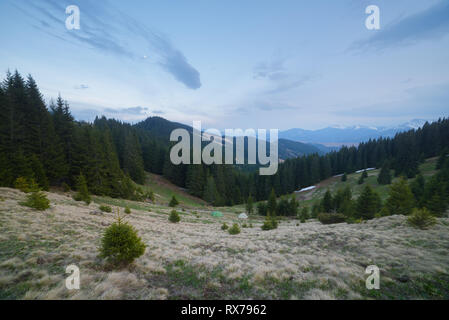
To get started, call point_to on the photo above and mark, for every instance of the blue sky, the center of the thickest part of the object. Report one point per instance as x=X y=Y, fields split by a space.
x=247 y=64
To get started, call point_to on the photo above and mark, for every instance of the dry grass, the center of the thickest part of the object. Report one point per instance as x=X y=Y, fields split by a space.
x=196 y=259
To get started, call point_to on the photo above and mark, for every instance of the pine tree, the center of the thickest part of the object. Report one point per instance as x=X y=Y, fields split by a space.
x=326 y=203
x=249 y=205
x=210 y=192
x=384 y=175
x=417 y=188
x=368 y=203
x=400 y=200
x=83 y=192
x=444 y=156
x=173 y=202
x=435 y=196
x=344 y=177
x=271 y=205
x=364 y=174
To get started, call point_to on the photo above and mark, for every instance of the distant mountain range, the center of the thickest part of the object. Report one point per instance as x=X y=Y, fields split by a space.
x=298 y=142
x=337 y=136
x=161 y=128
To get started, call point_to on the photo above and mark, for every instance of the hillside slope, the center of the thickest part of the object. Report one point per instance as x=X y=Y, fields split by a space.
x=195 y=259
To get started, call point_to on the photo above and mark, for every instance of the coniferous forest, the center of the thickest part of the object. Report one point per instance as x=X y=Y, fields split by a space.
x=45 y=143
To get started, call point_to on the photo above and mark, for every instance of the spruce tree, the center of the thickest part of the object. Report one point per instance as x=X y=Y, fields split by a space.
x=400 y=200
x=384 y=175
x=417 y=188
x=83 y=192
x=272 y=204
x=327 y=203
x=249 y=205
x=368 y=203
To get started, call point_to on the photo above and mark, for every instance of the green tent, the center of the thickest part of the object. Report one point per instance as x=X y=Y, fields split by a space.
x=217 y=214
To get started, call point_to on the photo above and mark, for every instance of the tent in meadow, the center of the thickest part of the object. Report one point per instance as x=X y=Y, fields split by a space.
x=217 y=214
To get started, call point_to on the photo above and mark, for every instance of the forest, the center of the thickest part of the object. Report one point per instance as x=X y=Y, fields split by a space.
x=45 y=143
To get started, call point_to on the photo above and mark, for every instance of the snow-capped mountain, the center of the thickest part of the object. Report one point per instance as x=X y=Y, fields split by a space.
x=339 y=135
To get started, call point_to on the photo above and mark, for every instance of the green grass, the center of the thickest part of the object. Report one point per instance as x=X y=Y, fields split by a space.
x=164 y=194
x=427 y=169
x=425 y=286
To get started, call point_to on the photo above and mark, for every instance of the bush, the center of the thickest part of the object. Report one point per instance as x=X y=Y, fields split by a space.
x=244 y=225
x=421 y=218
x=105 y=208
x=344 y=177
x=234 y=229
x=224 y=226
x=269 y=224
x=174 y=217
x=331 y=218
x=127 y=210
x=37 y=200
x=26 y=185
x=150 y=195
x=173 y=202
x=121 y=244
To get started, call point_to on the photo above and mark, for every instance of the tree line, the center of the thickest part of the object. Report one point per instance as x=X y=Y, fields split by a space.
x=46 y=144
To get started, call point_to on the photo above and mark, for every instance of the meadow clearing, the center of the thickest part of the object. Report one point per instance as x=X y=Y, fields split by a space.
x=195 y=259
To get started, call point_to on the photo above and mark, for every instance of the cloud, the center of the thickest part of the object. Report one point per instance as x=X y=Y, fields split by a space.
x=81 y=87
x=107 y=29
x=432 y=23
x=158 y=112
x=281 y=80
x=132 y=111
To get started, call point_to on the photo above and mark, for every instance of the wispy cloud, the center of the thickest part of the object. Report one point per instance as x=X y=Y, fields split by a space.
x=280 y=78
x=111 y=31
x=81 y=87
x=432 y=23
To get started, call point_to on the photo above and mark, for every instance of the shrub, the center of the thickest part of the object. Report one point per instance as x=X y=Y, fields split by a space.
x=421 y=218
x=120 y=243
x=244 y=225
x=174 y=217
x=127 y=210
x=269 y=224
x=37 y=200
x=224 y=226
x=330 y=218
x=26 y=185
x=344 y=177
x=150 y=195
x=173 y=202
x=234 y=229
x=105 y=208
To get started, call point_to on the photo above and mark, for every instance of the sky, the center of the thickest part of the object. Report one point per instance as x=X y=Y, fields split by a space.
x=235 y=64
